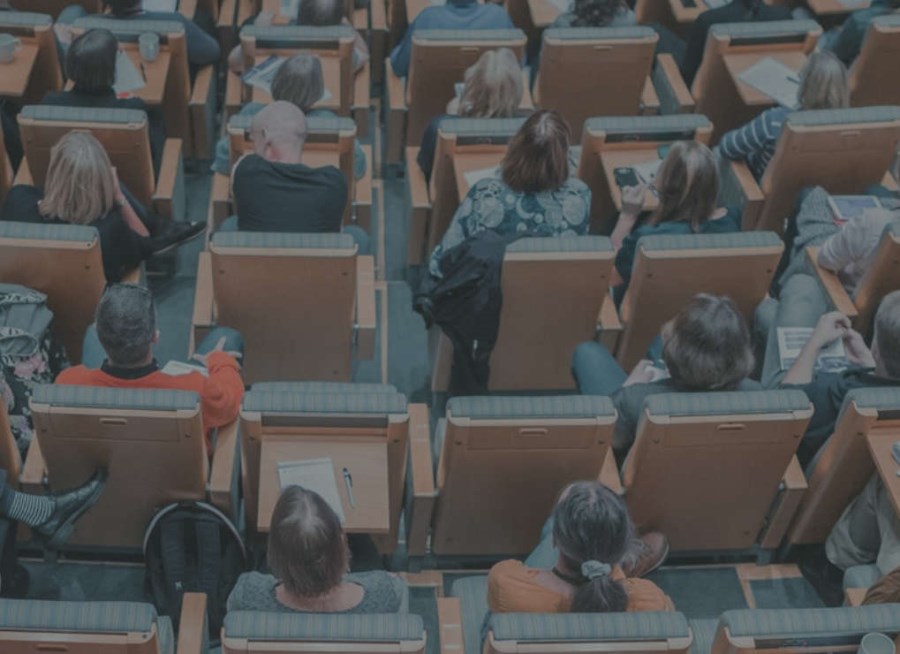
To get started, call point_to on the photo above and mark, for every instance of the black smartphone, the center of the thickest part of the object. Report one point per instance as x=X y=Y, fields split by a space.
x=625 y=177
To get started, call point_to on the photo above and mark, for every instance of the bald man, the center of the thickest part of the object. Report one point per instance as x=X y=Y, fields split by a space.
x=274 y=191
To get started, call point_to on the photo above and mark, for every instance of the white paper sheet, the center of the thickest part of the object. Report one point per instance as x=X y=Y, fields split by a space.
x=316 y=475
x=178 y=368
x=475 y=176
x=160 y=5
x=562 y=5
x=128 y=77
x=773 y=78
x=647 y=170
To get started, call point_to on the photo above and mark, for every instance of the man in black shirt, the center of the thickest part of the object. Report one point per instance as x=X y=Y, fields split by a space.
x=274 y=191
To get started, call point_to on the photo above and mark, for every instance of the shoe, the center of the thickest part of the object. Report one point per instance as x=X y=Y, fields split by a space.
x=826 y=578
x=68 y=507
x=175 y=234
x=649 y=553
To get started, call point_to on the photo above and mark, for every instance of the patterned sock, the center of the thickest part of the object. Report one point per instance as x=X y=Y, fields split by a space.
x=33 y=510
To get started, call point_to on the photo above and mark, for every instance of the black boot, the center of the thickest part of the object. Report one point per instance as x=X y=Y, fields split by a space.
x=173 y=234
x=69 y=506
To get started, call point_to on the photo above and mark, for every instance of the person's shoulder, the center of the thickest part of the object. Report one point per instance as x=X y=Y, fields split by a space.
x=75 y=375
x=253 y=590
x=644 y=595
x=575 y=185
x=505 y=570
x=384 y=590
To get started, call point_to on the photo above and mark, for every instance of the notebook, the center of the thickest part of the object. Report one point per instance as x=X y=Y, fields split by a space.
x=832 y=358
x=773 y=78
x=128 y=77
x=845 y=207
x=316 y=475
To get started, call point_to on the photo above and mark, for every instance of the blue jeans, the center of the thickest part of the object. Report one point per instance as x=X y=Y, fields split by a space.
x=93 y=354
x=596 y=371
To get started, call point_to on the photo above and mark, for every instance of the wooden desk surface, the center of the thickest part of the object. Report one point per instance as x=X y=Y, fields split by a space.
x=155 y=73
x=331 y=74
x=738 y=63
x=686 y=15
x=415 y=7
x=469 y=161
x=274 y=8
x=544 y=12
x=612 y=159
x=365 y=460
x=15 y=75
x=880 y=442
x=831 y=7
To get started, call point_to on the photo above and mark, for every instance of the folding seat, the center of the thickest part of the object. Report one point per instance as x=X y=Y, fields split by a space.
x=151 y=442
x=439 y=61
x=36 y=68
x=730 y=49
x=123 y=134
x=717 y=471
x=301 y=302
x=80 y=627
x=188 y=107
x=543 y=279
x=364 y=429
x=465 y=621
x=794 y=631
x=621 y=58
x=877 y=62
x=882 y=278
x=843 y=150
x=64 y=263
x=671 y=269
x=258 y=632
x=844 y=464
x=501 y=463
x=608 y=143
x=463 y=145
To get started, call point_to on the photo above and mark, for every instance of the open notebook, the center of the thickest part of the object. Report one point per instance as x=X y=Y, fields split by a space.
x=770 y=76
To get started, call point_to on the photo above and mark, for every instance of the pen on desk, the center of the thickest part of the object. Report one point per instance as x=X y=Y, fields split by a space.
x=348 y=484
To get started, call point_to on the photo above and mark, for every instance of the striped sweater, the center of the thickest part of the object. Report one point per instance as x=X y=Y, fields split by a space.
x=755 y=142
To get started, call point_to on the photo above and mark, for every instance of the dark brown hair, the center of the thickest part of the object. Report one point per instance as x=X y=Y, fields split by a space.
x=307 y=548
x=91 y=61
x=538 y=155
x=688 y=185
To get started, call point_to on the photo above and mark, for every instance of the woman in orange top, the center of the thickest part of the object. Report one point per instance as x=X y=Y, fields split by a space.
x=592 y=532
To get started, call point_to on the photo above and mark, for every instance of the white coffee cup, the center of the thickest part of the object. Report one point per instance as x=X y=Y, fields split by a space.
x=148 y=45
x=876 y=643
x=8 y=46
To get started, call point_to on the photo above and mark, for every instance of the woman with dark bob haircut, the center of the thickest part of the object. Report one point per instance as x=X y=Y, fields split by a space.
x=309 y=560
x=582 y=562
x=533 y=194
x=706 y=347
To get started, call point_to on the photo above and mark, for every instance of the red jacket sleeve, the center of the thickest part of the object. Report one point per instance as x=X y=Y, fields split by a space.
x=222 y=391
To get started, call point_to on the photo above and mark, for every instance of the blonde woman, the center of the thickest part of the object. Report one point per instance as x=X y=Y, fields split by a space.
x=493 y=88
x=82 y=189
x=823 y=85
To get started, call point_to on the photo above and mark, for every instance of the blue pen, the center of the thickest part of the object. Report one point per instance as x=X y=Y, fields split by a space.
x=348 y=484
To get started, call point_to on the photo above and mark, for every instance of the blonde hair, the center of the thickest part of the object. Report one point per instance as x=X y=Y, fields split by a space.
x=688 y=185
x=823 y=83
x=493 y=86
x=80 y=187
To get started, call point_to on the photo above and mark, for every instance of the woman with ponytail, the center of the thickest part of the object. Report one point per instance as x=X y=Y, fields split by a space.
x=588 y=561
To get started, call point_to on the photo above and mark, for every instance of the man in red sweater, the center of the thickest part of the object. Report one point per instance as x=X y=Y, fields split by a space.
x=126 y=329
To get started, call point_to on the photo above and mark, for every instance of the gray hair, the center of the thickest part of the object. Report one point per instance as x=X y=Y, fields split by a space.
x=887 y=334
x=299 y=81
x=126 y=323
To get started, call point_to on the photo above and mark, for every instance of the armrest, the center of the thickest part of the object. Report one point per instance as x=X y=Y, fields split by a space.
x=450 y=625
x=23 y=174
x=365 y=307
x=202 y=107
x=854 y=596
x=203 y=317
x=609 y=324
x=362 y=100
x=649 y=100
x=232 y=95
x=169 y=198
x=225 y=470
x=361 y=202
x=192 y=626
x=831 y=284
x=420 y=485
x=527 y=103
x=187 y=8
x=739 y=189
x=889 y=182
x=34 y=470
x=674 y=95
x=420 y=204
x=396 y=97
x=219 y=202
x=609 y=474
x=793 y=487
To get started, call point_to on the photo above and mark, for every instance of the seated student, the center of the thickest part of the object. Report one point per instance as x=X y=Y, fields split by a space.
x=736 y=11
x=597 y=13
x=584 y=562
x=454 y=15
x=493 y=88
x=887 y=589
x=298 y=81
x=686 y=186
x=118 y=353
x=534 y=194
x=91 y=67
x=309 y=559
x=274 y=191
x=823 y=85
x=82 y=189
x=706 y=347
x=846 y=41
x=202 y=49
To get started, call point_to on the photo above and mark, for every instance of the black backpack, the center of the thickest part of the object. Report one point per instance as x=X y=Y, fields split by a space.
x=192 y=547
